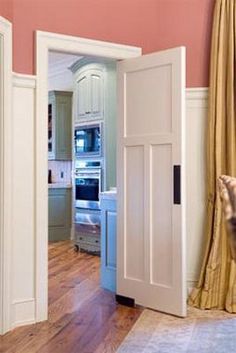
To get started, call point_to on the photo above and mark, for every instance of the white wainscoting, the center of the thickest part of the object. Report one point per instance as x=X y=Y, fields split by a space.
x=196 y=122
x=23 y=178
x=23 y=200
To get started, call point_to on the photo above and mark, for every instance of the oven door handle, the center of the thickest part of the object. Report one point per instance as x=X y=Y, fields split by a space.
x=87 y=177
x=88 y=224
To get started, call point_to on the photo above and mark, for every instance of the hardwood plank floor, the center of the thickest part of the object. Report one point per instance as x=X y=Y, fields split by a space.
x=83 y=318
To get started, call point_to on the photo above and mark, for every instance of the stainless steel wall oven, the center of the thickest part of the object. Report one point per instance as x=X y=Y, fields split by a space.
x=88 y=184
x=87 y=218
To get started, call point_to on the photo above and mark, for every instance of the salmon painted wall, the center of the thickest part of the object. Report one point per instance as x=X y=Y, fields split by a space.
x=150 y=24
x=6 y=9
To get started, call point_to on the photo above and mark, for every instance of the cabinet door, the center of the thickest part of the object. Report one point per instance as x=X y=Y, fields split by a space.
x=82 y=108
x=63 y=127
x=59 y=214
x=96 y=93
x=108 y=244
x=51 y=127
x=89 y=95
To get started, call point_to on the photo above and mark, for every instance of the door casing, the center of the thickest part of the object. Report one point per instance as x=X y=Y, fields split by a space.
x=5 y=172
x=46 y=41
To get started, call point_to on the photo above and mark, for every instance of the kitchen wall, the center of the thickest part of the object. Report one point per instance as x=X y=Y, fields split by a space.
x=58 y=169
x=150 y=24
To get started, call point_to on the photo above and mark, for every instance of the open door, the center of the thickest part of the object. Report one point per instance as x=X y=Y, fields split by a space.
x=151 y=181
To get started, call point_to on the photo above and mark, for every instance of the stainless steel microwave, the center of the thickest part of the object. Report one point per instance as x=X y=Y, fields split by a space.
x=88 y=140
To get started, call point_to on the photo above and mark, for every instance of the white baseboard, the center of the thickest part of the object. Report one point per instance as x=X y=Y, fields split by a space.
x=23 y=312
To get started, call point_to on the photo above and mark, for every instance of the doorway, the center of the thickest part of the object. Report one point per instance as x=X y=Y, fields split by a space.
x=76 y=46
x=81 y=158
x=151 y=96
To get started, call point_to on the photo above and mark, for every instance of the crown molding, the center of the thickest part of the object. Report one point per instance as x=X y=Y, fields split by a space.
x=61 y=66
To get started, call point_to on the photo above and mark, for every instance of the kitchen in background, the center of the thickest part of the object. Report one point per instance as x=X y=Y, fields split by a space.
x=81 y=148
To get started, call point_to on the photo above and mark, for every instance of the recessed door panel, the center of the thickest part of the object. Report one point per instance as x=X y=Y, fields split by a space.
x=134 y=229
x=111 y=239
x=96 y=93
x=142 y=83
x=161 y=241
x=82 y=94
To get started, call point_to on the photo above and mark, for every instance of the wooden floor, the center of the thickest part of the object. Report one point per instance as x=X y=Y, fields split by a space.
x=83 y=318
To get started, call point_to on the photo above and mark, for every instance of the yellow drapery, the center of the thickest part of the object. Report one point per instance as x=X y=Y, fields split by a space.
x=217 y=283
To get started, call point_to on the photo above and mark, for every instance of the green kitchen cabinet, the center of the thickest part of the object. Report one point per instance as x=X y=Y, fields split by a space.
x=108 y=240
x=94 y=102
x=59 y=125
x=89 y=80
x=59 y=214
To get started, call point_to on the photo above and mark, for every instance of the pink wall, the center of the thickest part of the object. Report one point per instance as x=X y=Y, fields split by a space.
x=6 y=9
x=150 y=24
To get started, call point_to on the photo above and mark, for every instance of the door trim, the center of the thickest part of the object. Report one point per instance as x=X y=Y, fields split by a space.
x=5 y=173
x=46 y=41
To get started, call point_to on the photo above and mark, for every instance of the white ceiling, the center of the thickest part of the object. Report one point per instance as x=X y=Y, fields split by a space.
x=59 y=62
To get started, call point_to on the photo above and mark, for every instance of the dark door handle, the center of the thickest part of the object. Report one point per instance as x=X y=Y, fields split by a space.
x=177 y=184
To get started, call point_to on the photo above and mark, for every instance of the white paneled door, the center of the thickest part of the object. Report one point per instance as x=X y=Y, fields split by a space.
x=151 y=181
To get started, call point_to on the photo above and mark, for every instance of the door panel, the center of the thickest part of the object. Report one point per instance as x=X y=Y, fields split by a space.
x=161 y=215
x=110 y=239
x=151 y=228
x=96 y=94
x=144 y=85
x=134 y=237
x=82 y=94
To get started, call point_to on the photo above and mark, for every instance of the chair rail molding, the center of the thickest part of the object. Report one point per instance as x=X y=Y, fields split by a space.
x=5 y=172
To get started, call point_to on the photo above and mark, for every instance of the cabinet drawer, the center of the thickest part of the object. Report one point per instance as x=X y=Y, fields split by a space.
x=88 y=243
x=85 y=238
x=91 y=229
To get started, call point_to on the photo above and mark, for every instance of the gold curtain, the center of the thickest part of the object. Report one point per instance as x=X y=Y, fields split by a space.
x=217 y=283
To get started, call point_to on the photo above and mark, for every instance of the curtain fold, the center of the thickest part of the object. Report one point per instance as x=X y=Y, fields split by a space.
x=216 y=287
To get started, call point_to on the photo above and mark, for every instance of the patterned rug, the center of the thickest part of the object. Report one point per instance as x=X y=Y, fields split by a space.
x=201 y=332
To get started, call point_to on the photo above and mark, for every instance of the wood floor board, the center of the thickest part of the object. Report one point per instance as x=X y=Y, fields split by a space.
x=83 y=317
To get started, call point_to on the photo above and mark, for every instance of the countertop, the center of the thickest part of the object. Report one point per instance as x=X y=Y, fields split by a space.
x=59 y=186
x=110 y=195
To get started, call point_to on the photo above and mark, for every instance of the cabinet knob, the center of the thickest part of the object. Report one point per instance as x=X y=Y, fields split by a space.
x=87 y=112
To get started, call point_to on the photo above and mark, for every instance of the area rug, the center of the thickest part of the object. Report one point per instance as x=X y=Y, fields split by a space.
x=201 y=332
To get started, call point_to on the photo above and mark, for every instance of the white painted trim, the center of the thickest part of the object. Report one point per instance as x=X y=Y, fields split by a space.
x=66 y=43
x=23 y=229
x=23 y=323
x=79 y=46
x=25 y=81
x=26 y=300
x=197 y=93
x=26 y=307
x=190 y=286
x=5 y=176
x=196 y=110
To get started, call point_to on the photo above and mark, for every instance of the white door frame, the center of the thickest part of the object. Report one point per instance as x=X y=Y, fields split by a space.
x=5 y=172
x=46 y=41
